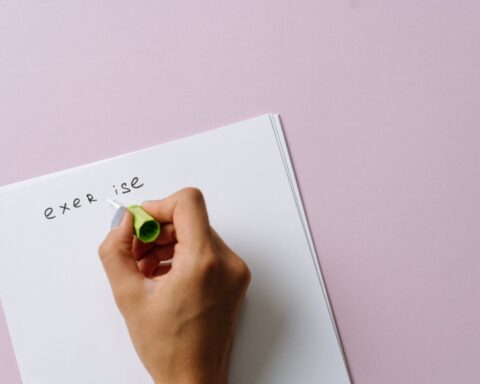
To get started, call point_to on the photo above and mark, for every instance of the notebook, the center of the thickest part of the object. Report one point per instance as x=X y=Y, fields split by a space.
x=62 y=319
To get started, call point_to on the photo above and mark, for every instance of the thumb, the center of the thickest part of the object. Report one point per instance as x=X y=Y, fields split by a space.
x=117 y=257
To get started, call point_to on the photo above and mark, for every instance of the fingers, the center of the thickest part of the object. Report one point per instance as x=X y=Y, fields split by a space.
x=161 y=270
x=151 y=260
x=139 y=248
x=187 y=212
x=117 y=257
x=167 y=236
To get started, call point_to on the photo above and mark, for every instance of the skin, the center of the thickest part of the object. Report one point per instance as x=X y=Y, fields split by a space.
x=181 y=318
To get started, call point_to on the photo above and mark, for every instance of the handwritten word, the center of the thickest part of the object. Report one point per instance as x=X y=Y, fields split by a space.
x=76 y=203
x=50 y=213
x=125 y=187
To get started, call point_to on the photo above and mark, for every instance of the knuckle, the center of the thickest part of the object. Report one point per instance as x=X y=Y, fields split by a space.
x=242 y=273
x=193 y=193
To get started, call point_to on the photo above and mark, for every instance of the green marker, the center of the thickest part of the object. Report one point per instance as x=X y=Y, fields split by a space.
x=145 y=227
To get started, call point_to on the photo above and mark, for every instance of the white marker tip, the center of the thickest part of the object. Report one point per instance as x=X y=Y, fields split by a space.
x=114 y=204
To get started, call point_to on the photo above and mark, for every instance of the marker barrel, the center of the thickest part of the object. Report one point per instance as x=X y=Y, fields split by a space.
x=145 y=227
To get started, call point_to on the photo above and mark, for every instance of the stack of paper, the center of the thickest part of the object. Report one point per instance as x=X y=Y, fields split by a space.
x=62 y=318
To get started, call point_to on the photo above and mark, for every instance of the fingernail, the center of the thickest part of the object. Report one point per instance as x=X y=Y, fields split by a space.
x=117 y=217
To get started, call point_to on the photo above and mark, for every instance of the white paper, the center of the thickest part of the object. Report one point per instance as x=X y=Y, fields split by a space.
x=63 y=322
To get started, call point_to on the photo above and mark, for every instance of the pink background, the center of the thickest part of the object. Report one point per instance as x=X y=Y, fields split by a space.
x=381 y=106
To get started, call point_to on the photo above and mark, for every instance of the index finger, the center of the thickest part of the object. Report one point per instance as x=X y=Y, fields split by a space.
x=187 y=211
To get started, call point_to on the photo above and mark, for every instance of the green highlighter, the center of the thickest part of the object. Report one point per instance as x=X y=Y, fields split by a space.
x=145 y=227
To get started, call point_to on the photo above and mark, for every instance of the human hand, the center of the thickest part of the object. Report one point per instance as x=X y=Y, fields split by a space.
x=181 y=318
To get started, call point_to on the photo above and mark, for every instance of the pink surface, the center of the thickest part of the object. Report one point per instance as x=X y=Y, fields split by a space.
x=381 y=106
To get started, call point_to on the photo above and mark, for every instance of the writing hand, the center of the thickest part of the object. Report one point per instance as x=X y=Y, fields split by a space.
x=181 y=318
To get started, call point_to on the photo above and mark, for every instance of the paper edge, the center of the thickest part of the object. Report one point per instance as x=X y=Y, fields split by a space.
x=288 y=164
x=27 y=182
